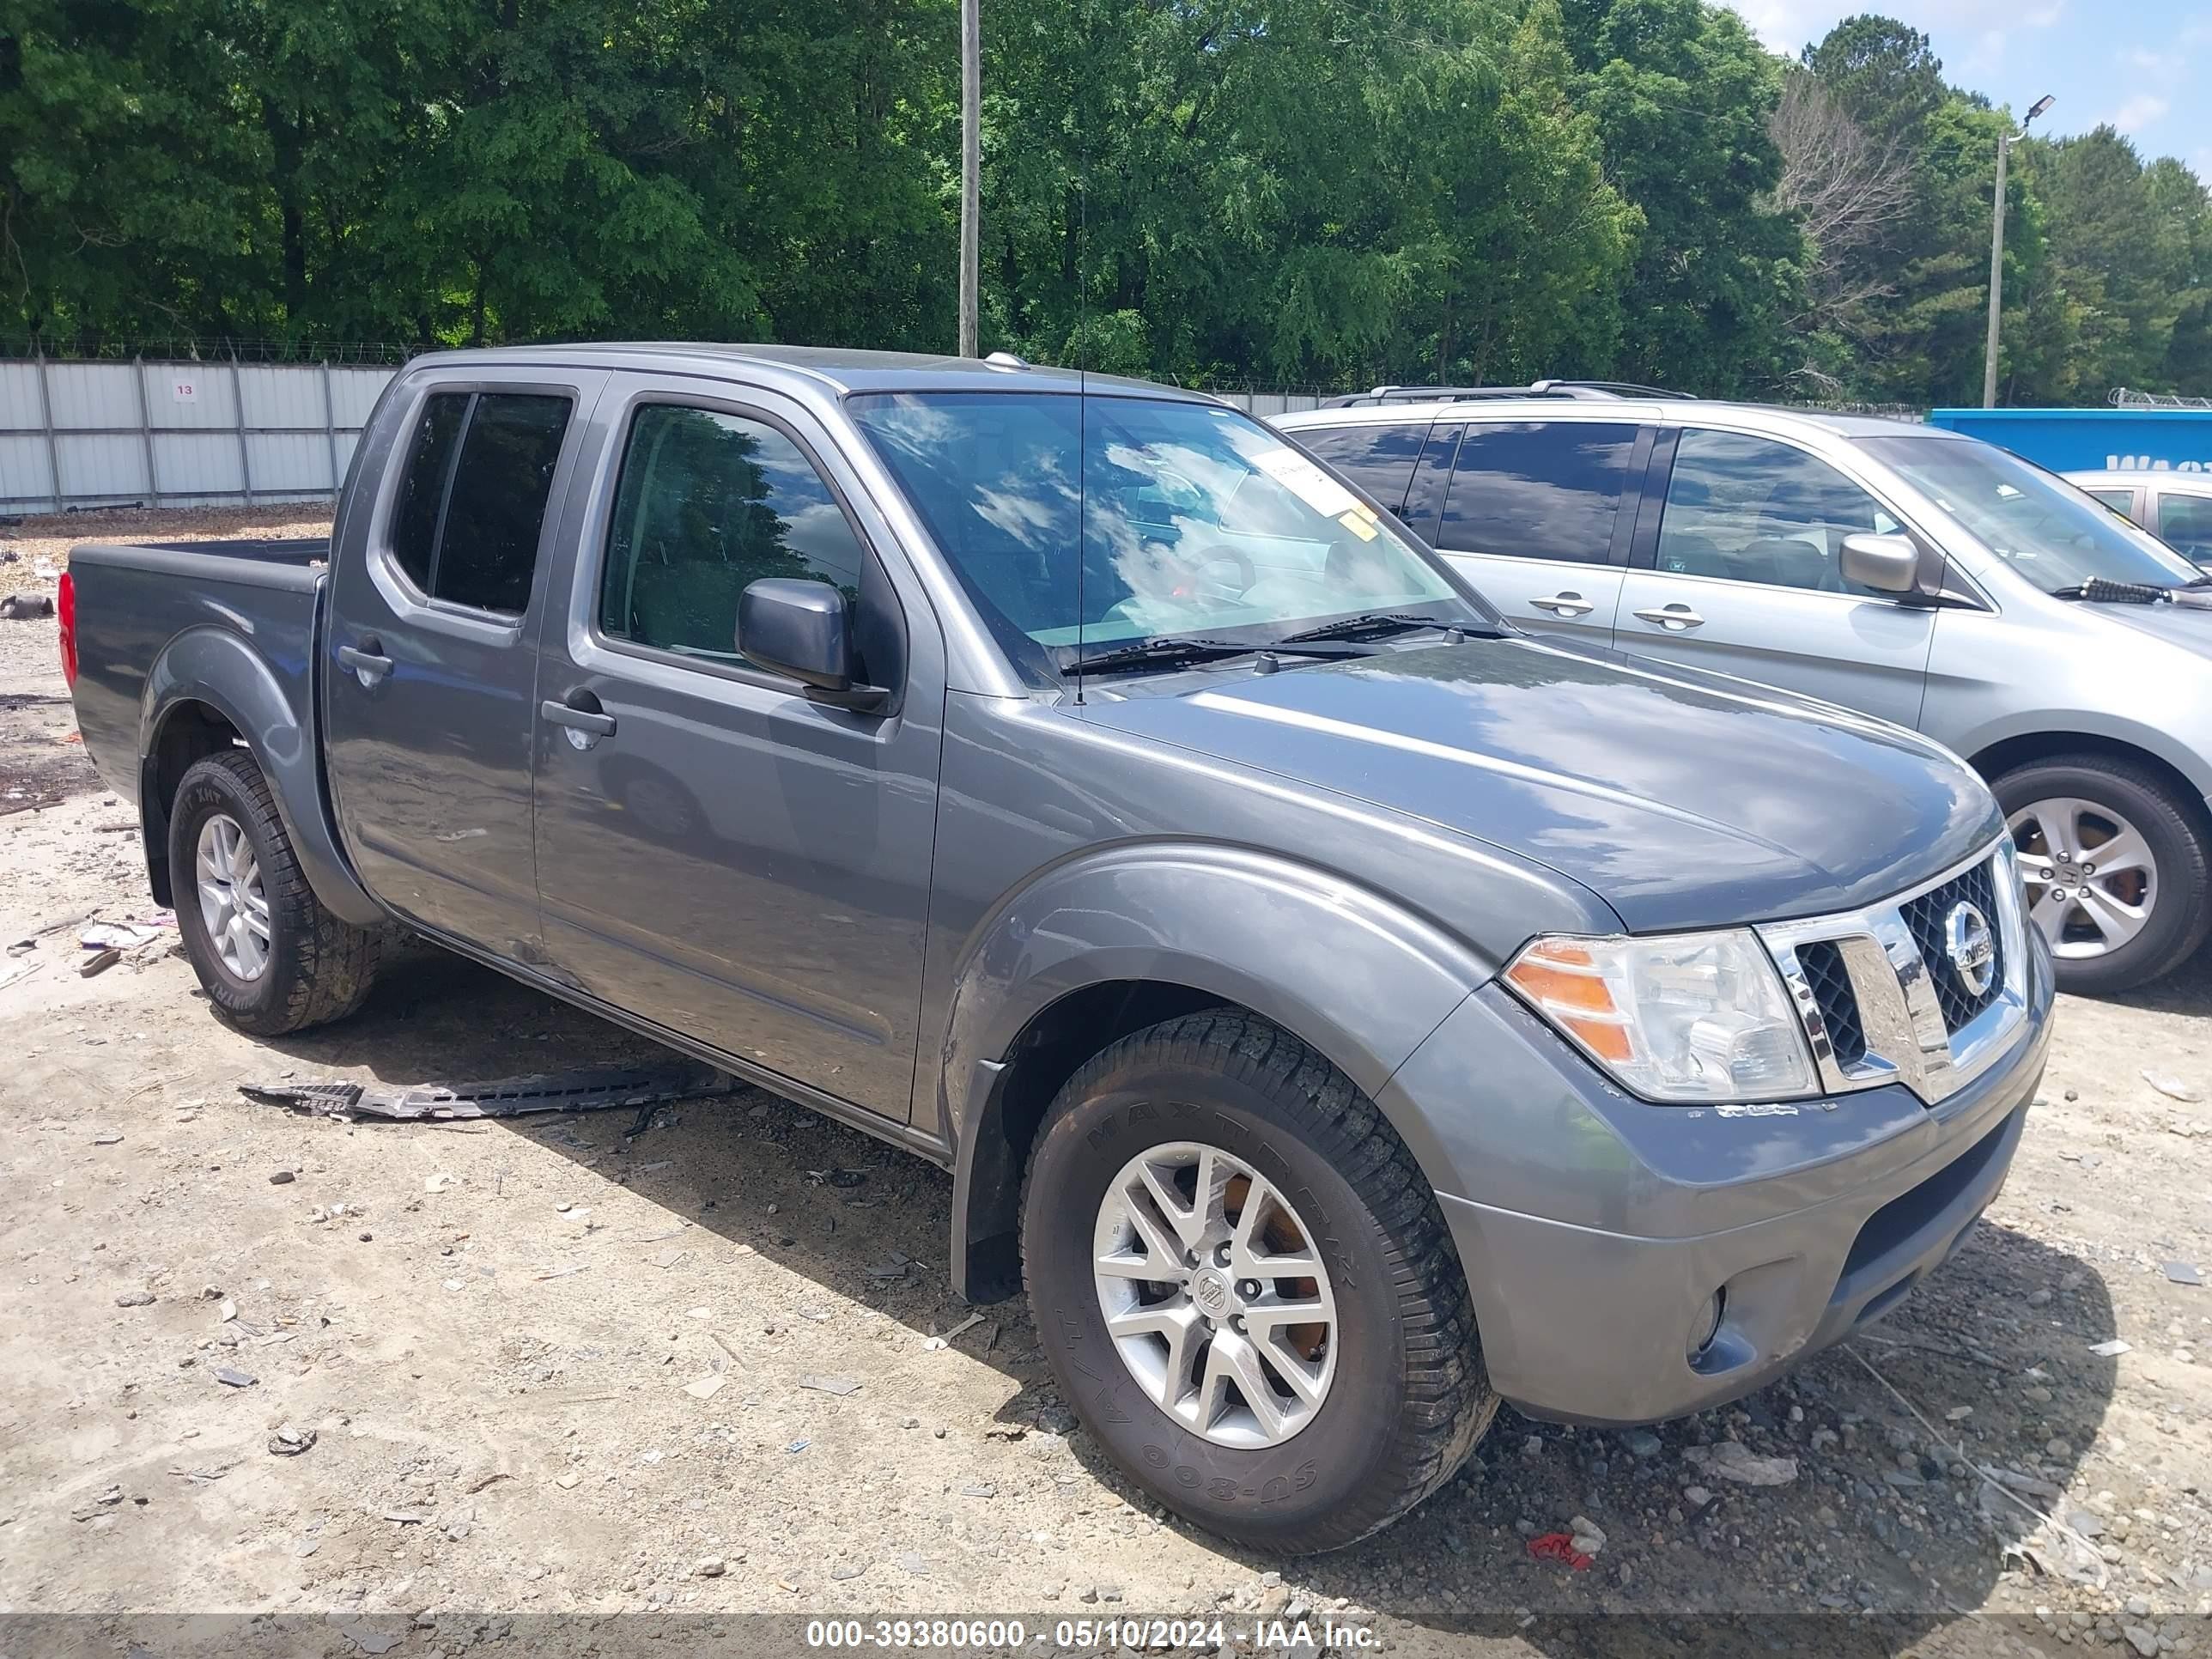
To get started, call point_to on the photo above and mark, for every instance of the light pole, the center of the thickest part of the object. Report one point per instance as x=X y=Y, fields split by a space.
x=1996 y=247
x=971 y=167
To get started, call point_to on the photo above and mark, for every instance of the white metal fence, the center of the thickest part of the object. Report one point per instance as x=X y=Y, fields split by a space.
x=177 y=434
x=190 y=433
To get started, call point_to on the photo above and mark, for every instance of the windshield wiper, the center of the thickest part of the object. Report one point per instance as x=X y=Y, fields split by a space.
x=1373 y=623
x=1171 y=648
x=2098 y=590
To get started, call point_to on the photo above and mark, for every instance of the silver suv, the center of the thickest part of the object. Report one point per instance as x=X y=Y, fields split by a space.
x=1916 y=574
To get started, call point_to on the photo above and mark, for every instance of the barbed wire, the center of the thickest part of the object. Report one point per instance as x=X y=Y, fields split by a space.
x=206 y=349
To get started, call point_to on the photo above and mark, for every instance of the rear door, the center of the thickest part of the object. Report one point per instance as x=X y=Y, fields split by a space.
x=1530 y=512
x=716 y=852
x=1738 y=555
x=429 y=691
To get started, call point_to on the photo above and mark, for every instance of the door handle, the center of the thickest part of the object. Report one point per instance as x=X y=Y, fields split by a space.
x=368 y=667
x=577 y=719
x=1676 y=619
x=1568 y=604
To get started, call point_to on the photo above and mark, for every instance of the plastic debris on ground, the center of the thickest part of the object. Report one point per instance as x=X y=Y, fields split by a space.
x=592 y=1089
x=1559 y=1546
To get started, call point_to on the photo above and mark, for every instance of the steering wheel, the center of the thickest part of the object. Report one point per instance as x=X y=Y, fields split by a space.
x=1248 y=574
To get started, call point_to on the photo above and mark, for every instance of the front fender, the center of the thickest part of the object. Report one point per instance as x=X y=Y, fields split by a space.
x=1360 y=978
x=220 y=668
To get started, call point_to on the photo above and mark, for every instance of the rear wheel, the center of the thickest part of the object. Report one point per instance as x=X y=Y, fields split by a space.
x=1245 y=1288
x=2115 y=868
x=270 y=958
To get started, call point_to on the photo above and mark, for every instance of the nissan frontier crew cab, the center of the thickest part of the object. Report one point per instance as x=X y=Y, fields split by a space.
x=1341 y=1010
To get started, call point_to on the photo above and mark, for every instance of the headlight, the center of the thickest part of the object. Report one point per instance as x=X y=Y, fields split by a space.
x=1699 y=1017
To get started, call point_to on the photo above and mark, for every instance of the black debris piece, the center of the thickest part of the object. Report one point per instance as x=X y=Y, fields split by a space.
x=592 y=1089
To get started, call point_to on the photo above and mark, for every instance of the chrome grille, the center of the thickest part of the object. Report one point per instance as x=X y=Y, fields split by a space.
x=1879 y=997
x=1929 y=917
x=1831 y=982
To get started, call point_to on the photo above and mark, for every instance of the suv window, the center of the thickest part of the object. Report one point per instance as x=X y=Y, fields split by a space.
x=2121 y=501
x=1547 y=489
x=2185 y=524
x=1753 y=510
x=1378 y=459
x=709 y=503
x=472 y=508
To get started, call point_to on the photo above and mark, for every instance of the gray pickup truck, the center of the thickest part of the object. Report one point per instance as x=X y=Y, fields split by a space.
x=1343 y=1010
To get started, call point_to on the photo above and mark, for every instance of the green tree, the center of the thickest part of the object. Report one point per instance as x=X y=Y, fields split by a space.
x=1681 y=95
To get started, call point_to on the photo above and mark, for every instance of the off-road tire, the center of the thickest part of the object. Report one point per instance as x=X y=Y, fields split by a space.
x=1410 y=1397
x=2178 y=834
x=319 y=967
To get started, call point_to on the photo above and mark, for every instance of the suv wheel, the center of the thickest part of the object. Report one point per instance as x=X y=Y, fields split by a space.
x=1245 y=1288
x=2115 y=868
x=270 y=958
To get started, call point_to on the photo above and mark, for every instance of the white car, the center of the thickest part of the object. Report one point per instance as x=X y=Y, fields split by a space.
x=2174 y=507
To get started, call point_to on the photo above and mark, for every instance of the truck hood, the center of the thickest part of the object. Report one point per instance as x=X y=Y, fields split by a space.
x=1683 y=799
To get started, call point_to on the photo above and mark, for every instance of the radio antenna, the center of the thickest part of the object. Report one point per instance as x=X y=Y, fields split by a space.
x=1082 y=401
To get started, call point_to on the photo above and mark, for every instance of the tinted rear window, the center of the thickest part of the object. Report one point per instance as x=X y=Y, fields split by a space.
x=422 y=490
x=471 y=505
x=1378 y=459
x=497 y=509
x=1547 y=489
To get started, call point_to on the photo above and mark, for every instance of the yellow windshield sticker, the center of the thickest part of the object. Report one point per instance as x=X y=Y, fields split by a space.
x=1361 y=524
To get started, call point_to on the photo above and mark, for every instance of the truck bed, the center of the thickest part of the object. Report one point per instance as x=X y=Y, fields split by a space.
x=173 y=609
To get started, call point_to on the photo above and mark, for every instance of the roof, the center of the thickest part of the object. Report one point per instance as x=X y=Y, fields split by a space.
x=1672 y=410
x=2193 y=483
x=834 y=368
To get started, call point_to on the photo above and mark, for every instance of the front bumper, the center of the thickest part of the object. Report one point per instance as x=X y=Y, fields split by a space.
x=1595 y=1228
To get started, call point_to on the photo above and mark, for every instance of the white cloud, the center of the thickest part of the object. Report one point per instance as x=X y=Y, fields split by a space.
x=2138 y=113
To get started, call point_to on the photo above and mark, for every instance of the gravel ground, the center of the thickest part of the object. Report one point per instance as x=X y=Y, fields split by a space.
x=561 y=1372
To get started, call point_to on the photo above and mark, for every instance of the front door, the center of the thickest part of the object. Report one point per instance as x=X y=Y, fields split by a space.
x=428 y=692
x=715 y=852
x=1531 y=516
x=1744 y=578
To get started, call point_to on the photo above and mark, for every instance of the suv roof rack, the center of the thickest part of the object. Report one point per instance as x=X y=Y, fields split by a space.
x=1588 y=391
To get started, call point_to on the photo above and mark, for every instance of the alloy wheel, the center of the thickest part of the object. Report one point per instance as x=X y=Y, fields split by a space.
x=2090 y=876
x=233 y=904
x=1215 y=1294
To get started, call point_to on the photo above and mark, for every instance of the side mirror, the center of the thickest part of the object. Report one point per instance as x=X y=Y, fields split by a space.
x=1888 y=564
x=803 y=630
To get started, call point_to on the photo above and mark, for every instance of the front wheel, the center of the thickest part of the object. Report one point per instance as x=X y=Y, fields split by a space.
x=2115 y=868
x=1245 y=1288
x=270 y=958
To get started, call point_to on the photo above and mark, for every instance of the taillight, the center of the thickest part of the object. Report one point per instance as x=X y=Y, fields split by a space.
x=65 y=608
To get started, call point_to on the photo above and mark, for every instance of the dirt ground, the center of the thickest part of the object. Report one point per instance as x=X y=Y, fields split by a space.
x=563 y=1372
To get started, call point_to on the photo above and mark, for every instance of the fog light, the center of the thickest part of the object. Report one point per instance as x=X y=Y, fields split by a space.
x=1707 y=1325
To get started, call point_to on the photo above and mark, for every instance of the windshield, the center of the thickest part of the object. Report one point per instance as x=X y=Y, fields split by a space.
x=2045 y=528
x=1195 y=519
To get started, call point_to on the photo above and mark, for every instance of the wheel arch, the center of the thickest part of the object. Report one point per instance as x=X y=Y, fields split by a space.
x=211 y=691
x=1090 y=952
x=2008 y=753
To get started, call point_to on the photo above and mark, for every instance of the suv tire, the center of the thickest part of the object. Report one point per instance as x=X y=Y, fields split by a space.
x=290 y=963
x=1406 y=1396
x=2180 y=901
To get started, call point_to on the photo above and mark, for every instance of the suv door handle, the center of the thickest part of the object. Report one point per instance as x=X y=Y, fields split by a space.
x=1677 y=619
x=368 y=667
x=589 y=722
x=1567 y=602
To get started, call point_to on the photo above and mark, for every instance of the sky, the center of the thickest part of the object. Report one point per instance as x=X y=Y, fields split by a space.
x=2140 y=64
